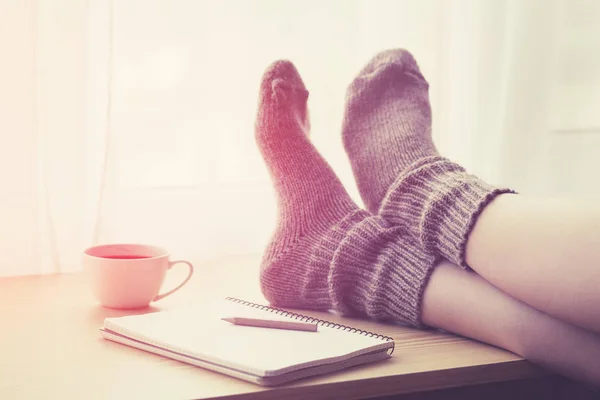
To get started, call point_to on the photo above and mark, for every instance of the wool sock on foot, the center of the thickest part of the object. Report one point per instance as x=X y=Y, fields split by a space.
x=440 y=202
x=387 y=136
x=387 y=123
x=326 y=253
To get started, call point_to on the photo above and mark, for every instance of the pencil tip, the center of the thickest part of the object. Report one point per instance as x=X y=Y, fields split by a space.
x=228 y=319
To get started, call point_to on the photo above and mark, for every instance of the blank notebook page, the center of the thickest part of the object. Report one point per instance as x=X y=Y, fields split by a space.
x=199 y=332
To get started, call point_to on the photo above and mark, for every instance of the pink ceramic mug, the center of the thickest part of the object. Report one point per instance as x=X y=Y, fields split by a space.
x=128 y=275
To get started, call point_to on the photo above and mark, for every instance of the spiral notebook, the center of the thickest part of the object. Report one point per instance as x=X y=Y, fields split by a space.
x=197 y=335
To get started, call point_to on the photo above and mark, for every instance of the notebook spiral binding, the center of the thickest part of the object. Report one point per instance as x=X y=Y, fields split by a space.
x=305 y=318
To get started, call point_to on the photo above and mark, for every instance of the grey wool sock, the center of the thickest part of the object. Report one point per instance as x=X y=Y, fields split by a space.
x=440 y=202
x=326 y=253
x=387 y=136
x=387 y=123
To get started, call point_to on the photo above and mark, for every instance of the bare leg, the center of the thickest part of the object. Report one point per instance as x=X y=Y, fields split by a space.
x=463 y=303
x=545 y=252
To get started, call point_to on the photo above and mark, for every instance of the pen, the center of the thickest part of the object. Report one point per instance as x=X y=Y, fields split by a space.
x=268 y=323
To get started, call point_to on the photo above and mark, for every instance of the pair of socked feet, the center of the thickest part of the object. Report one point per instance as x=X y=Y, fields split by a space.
x=326 y=252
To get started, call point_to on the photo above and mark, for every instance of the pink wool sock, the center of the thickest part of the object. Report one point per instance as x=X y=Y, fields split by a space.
x=387 y=136
x=326 y=253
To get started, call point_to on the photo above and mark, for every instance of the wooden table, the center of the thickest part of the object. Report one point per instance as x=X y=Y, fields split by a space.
x=50 y=347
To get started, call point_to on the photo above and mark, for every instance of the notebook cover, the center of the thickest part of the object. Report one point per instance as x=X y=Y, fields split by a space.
x=263 y=381
x=197 y=335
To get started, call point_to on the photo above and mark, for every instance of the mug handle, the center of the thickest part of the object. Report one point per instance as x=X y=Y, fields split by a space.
x=171 y=264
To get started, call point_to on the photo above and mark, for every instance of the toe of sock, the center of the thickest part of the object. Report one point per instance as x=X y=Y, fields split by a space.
x=397 y=57
x=388 y=64
x=282 y=74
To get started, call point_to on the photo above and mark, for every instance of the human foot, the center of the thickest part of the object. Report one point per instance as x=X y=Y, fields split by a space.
x=387 y=136
x=326 y=253
x=387 y=123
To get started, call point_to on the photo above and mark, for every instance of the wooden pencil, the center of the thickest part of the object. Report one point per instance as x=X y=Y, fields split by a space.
x=274 y=324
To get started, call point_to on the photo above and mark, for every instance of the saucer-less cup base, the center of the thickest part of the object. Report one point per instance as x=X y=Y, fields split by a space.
x=128 y=275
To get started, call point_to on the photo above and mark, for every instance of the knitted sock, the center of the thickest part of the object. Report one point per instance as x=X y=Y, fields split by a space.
x=387 y=135
x=440 y=202
x=387 y=123
x=326 y=253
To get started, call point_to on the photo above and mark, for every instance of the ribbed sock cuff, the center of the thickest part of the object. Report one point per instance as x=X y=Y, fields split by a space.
x=364 y=266
x=379 y=271
x=441 y=202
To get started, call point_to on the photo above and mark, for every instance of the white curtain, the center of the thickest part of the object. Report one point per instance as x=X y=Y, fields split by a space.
x=132 y=120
